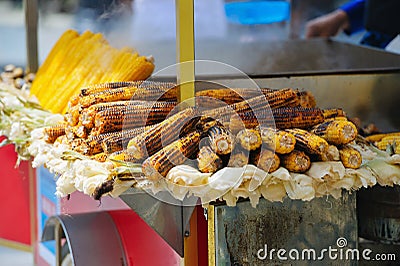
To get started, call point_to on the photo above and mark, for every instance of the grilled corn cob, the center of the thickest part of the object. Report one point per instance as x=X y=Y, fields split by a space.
x=110 y=95
x=278 y=140
x=208 y=161
x=88 y=114
x=100 y=157
x=221 y=140
x=151 y=141
x=251 y=119
x=130 y=116
x=116 y=141
x=297 y=117
x=276 y=99
x=350 y=157
x=309 y=142
x=266 y=160
x=337 y=132
x=392 y=140
x=249 y=139
x=53 y=132
x=238 y=158
x=112 y=141
x=123 y=155
x=334 y=112
x=159 y=164
x=209 y=97
x=296 y=161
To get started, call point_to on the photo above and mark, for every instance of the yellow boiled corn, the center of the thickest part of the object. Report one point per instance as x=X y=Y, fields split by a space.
x=296 y=161
x=278 y=140
x=266 y=160
x=249 y=139
x=337 y=132
x=350 y=157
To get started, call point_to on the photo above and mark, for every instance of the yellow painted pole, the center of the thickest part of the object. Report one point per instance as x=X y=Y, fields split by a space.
x=185 y=78
x=185 y=49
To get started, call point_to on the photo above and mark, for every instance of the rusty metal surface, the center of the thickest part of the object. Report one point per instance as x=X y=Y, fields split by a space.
x=241 y=231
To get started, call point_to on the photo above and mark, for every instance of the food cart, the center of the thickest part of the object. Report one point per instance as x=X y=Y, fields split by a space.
x=241 y=235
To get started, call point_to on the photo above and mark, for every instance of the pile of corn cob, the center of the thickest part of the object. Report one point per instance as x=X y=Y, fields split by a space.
x=77 y=60
x=132 y=122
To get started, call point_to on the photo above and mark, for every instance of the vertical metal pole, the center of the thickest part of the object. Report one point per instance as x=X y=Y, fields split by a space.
x=185 y=49
x=31 y=23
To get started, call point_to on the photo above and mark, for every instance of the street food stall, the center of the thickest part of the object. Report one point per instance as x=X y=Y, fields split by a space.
x=114 y=208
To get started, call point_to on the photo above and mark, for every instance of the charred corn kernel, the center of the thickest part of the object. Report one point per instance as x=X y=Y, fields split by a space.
x=378 y=137
x=276 y=99
x=100 y=157
x=266 y=160
x=309 y=142
x=249 y=139
x=140 y=111
x=222 y=96
x=80 y=131
x=238 y=158
x=176 y=153
x=337 y=132
x=205 y=123
x=297 y=117
x=151 y=141
x=334 y=112
x=79 y=145
x=332 y=154
x=147 y=90
x=122 y=155
x=307 y=99
x=112 y=141
x=296 y=161
x=392 y=140
x=116 y=141
x=53 y=132
x=350 y=157
x=111 y=95
x=95 y=88
x=208 y=161
x=126 y=117
x=221 y=140
x=278 y=140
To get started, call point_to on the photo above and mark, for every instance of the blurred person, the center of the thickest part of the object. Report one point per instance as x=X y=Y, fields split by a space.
x=380 y=19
